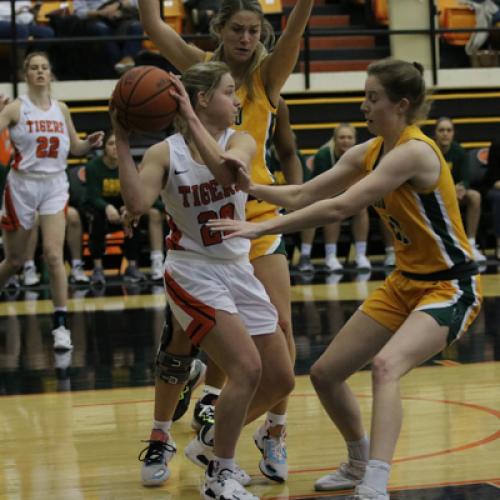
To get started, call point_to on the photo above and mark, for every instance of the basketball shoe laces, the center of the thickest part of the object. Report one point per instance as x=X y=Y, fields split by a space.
x=207 y=415
x=155 y=451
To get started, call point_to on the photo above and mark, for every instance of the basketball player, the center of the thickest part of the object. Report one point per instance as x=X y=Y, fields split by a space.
x=210 y=285
x=243 y=34
x=429 y=300
x=42 y=132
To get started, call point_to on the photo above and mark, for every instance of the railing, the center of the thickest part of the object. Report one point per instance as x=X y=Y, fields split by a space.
x=432 y=32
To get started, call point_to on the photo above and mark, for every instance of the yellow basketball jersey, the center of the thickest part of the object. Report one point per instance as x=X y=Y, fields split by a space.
x=426 y=225
x=258 y=118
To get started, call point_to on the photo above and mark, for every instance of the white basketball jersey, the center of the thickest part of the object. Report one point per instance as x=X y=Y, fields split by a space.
x=40 y=139
x=192 y=196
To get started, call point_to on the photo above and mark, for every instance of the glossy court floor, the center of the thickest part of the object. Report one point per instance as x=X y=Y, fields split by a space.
x=71 y=426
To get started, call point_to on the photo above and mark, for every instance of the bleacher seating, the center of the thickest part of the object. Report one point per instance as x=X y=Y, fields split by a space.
x=380 y=10
x=454 y=15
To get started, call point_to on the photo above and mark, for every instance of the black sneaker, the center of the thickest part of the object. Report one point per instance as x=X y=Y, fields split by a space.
x=204 y=412
x=133 y=275
x=198 y=369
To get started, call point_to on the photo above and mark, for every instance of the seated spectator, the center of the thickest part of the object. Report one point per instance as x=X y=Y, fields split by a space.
x=468 y=198
x=26 y=27
x=344 y=137
x=105 y=205
x=492 y=184
x=112 y=18
x=200 y=13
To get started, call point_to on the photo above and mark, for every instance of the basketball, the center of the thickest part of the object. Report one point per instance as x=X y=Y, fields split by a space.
x=143 y=101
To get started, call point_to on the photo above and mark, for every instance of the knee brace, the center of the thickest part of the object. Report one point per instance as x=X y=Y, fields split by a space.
x=173 y=368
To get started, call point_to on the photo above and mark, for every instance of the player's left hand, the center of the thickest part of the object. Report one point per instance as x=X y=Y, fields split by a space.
x=235 y=228
x=4 y=100
x=95 y=139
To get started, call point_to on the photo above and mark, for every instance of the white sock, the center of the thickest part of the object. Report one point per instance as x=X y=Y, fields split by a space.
x=76 y=263
x=377 y=475
x=272 y=419
x=29 y=263
x=472 y=242
x=389 y=250
x=330 y=248
x=156 y=255
x=162 y=425
x=210 y=389
x=360 y=247
x=61 y=309
x=223 y=463
x=305 y=250
x=359 y=450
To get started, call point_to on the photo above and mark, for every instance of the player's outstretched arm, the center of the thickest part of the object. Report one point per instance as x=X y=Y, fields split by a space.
x=169 y=42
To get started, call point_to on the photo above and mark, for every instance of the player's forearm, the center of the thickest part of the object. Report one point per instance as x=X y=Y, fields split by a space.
x=210 y=152
x=129 y=179
x=289 y=197
x=318 y=214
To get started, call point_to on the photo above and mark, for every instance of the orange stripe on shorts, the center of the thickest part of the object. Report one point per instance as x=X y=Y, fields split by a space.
x=10 y=221
x=203 y=315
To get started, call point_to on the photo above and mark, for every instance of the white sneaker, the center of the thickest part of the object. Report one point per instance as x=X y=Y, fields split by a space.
x=347 y=476
x=201 y=454
x=157 y=269
x=363 y=492
x=362 y=262
x=159 y=453
x=221 y=485
x=30 y=277
x=78 y=275
x=390 y=259
x=62 y=339
x=274 y=456
x=333 y=264
x=477 y=255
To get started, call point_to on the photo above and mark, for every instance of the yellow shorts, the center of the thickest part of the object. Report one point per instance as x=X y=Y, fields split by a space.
x=453 y=303
x=268 y=244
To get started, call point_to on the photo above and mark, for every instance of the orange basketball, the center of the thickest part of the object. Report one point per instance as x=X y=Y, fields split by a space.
x=143 y=101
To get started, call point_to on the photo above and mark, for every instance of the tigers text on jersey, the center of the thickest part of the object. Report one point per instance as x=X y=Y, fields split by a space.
x=192 y=196
x=426 y=225
x=40 y=139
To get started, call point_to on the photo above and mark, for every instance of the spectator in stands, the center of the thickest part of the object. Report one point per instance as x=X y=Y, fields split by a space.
x=344 y=137
x=108 y=18
x=26 y=27
x=105 y=205
x=200 y=13
x=456 y=158
x=492 y=183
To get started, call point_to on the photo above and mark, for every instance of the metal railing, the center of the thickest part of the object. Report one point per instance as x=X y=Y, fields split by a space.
x=432 y=32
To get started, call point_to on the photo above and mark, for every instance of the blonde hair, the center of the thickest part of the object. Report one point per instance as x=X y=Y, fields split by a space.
x=227 y=9
x=201 y=77
x=403 y=80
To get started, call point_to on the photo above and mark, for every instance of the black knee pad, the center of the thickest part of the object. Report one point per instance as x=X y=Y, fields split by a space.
x=173 y=368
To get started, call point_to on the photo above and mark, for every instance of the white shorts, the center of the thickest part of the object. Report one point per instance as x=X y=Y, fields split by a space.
x=197 y=288
x=26 y=194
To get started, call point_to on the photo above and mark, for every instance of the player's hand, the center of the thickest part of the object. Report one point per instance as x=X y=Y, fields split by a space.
x=4 y=100
x=178 y=92
x=95 y=139
x=118 y=129
x=235 y=228
x=112 y=214
x=129 y=222
x=243 y=180
x=460 y=188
